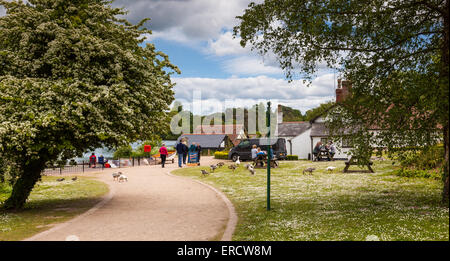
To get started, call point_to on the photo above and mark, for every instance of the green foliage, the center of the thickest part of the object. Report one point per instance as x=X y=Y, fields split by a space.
x=221 y=155
x=123 y=152
x=290 y=114
x=73 y=78
x=313 y=113
x=395 y=55
x=155 y=143
x=292 y=157
x=422 y=159
x=417 y=173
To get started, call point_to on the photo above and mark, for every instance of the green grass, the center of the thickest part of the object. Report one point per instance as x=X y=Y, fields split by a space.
x=50 y=202
x=331 y=206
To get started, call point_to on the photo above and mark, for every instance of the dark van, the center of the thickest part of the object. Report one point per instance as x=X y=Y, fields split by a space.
x=243 y=149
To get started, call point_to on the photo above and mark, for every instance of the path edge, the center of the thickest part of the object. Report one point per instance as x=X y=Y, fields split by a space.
x=232 y=220
x=105 y=199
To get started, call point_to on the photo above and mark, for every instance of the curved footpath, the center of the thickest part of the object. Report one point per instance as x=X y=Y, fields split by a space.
x=151 y=206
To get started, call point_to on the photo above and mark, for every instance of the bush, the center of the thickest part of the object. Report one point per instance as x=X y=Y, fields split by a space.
x=415 y=173
x=291 y=157
x=123 y=152
x=221 y=155
x=426 y=159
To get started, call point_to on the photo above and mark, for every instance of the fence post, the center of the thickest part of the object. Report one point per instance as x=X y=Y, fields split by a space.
x=60 y=170
x=83 y=165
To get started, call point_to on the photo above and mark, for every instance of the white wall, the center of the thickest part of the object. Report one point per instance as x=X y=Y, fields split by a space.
x=301 y=145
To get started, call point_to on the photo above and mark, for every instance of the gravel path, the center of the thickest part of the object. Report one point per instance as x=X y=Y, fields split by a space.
x=150 y=206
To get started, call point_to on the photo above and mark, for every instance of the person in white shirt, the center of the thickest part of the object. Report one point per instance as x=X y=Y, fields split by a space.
x=254 y=151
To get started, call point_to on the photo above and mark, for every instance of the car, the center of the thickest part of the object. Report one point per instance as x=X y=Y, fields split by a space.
x=243 y=149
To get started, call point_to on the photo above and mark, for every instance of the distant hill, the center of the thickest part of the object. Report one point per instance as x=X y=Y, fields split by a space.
x=291 y=114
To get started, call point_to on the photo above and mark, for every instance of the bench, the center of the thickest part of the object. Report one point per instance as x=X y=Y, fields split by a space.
x=261 y=163
x=354 y=161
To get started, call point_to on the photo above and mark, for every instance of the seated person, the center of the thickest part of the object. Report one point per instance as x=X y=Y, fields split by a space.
x=332 y=150
x=254 y=151
x=260 y=155
x=317 y=149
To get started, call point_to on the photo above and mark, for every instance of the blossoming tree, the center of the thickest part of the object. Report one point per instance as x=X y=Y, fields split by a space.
x=74 y=76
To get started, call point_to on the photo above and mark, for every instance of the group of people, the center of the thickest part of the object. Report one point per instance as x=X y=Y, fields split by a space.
x=93 y=160
x=329 y=148
x=183 y=150
x=257 y=153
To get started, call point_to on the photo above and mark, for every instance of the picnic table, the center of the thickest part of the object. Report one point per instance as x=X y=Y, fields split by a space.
x=355 y=161
x=261 y=162
x=323 y=154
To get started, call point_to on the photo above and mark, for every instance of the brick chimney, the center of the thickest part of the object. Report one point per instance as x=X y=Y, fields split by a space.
x=343 y=90
x=280 y=114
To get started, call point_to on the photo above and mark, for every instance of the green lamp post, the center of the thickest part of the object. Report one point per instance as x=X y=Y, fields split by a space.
x=268 y=155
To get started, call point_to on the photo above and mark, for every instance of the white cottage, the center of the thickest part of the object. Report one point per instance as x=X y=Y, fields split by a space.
x=301 y=137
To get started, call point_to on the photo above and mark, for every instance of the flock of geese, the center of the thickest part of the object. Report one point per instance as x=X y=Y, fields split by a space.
x=251 y=168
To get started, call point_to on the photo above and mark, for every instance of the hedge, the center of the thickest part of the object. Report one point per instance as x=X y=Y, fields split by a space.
x=221 y=155
x=291 y=157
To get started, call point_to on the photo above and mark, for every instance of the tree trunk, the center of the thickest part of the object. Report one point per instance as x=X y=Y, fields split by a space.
x=445 y=195
x=31 y=172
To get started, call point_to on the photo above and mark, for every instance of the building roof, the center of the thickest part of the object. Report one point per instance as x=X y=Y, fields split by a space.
x=319 y=130
x=292 y=129
x=232 y=130
x=206 y=141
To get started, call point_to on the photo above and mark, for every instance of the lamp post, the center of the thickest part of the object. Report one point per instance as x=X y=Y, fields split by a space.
x=268 y=155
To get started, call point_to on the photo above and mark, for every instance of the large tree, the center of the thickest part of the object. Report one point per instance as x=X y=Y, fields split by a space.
x=74 y=75
x=395 y=53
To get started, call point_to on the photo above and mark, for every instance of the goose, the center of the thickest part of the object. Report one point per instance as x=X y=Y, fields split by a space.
x=330 y=168
x=310 y=170
x=237 y=161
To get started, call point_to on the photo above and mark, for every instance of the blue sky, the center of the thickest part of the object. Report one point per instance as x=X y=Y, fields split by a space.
x=197 y=37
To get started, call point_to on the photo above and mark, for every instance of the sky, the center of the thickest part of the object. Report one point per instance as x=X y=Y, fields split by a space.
x=197 y=37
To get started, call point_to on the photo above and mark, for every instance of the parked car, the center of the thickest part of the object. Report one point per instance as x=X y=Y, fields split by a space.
x=243 y=149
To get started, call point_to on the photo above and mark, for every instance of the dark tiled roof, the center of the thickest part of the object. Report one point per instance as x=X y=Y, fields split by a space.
x=207 y=141
x=292 y=129
x=319 y=129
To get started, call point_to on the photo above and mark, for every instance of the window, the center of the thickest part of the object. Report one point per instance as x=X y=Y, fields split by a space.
x=244 y=144
x=324 y=140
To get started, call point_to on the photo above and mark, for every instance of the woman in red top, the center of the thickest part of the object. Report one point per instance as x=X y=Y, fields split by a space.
x=163 y=153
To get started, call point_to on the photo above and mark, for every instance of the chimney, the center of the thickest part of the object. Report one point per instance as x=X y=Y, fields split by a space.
x=280 y=114
x=343 y=90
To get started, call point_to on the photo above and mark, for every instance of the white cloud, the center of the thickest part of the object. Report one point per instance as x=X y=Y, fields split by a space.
x=240 y=92
x=227 y=45
x=248 y=65
x=196 y=20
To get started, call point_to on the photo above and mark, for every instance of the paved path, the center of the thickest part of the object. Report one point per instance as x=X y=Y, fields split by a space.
x=150 y=206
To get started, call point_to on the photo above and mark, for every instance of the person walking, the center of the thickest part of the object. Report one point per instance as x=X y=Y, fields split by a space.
x=199 y=152
x=180 y=151
x=163 y=153
x=185 y=152
x=92 y=160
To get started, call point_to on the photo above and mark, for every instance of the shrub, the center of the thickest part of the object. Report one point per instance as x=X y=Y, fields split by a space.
x=417 y=173
x=291 y=157
x=221 y=155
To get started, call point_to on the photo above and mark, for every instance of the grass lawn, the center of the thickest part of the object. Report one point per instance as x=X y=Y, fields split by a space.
x=50 y=202
x=331 y=206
